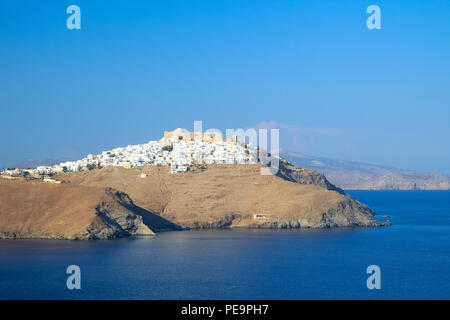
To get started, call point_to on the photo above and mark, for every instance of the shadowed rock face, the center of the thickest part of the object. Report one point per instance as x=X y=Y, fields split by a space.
x=116 y=218
x=116 y=202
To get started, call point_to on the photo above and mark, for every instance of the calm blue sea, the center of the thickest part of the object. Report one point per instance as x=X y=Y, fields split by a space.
x=413 y=254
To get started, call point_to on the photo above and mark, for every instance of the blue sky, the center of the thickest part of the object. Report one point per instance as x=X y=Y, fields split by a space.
x=312 y=68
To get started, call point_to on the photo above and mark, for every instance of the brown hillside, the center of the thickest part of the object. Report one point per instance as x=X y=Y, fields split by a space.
x=44 y=210
x=230 y=195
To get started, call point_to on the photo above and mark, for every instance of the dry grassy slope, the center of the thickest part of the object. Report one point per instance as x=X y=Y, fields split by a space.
x=231 y=195
x=45 y=210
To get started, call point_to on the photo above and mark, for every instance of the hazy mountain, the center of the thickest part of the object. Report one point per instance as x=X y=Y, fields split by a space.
x=32 y=163
x=420 y=181
x=356 y=175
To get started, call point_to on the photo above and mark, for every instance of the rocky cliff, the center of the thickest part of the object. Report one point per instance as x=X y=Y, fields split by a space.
x=290 y=172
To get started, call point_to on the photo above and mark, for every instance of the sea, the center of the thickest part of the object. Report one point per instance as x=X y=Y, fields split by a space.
x=413 y=256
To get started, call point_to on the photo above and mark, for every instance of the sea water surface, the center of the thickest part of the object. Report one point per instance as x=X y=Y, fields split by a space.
x=413 y=254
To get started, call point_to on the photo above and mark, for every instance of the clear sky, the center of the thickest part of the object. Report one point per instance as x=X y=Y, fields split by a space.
x=312 y=68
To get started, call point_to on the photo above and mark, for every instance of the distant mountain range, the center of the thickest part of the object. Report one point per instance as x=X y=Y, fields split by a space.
x=362 y=176
x=32 y=163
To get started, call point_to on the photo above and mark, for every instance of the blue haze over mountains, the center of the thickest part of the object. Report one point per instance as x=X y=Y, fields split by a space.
x=357 y=175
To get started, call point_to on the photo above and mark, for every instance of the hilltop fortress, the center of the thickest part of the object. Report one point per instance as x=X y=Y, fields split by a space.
x=209 y=137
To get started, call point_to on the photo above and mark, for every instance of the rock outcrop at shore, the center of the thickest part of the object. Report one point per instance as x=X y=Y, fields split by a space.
x=116 y=218
x=115 y=202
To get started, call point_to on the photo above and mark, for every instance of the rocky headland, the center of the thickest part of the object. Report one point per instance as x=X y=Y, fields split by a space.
x=115 y=202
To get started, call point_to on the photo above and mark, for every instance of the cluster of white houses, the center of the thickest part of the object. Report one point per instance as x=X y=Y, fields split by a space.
x=178 y=149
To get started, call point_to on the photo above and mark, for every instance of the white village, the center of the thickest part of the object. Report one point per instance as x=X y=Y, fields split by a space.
x=178 y=149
